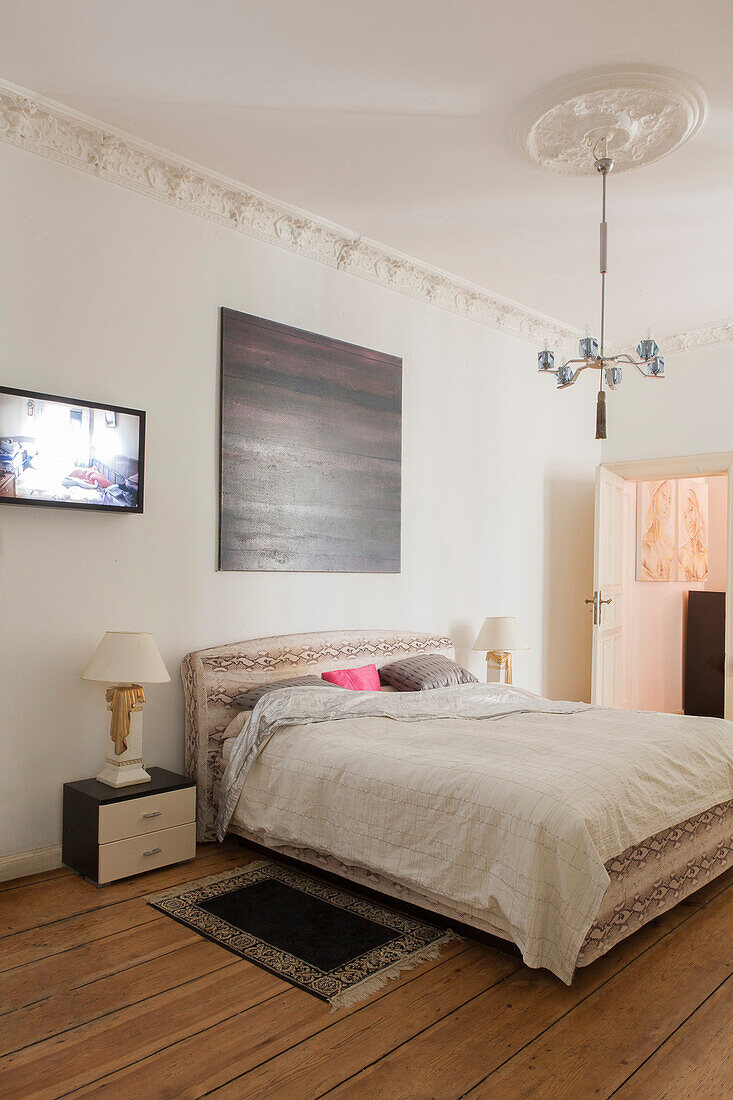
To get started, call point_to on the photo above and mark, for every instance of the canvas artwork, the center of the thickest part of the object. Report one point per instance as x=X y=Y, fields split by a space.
x=311 y=442
x=671 y=528
x=692 y=526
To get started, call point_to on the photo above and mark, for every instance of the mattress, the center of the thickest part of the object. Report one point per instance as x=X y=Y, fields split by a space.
x=645 y=880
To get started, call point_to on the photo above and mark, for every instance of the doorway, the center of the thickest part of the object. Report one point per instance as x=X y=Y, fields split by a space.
x=662 y=569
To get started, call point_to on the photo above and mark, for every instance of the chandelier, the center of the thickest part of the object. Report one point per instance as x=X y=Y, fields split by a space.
x=649 y=363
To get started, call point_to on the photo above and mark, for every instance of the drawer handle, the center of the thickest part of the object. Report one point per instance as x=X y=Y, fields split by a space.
x=152 y=852
x=153 y=813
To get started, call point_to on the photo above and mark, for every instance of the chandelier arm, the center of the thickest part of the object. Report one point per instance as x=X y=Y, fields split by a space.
x=624 y=357
x=639 y=364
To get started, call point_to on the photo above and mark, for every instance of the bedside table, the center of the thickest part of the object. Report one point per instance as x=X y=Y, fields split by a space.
x=110 y=833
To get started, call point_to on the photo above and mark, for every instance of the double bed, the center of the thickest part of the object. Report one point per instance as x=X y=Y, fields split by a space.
x=558 y=827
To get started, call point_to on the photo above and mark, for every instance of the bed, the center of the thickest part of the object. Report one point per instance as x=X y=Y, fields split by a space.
x=624 y=884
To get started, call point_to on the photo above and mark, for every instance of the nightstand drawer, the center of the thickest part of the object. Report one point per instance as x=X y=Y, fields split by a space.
x=121 y=858
x=138 y=816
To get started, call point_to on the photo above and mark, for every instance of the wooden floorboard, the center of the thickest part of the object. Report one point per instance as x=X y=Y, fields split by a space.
x=102 y=995
x=695 y=1061
x=30 y=880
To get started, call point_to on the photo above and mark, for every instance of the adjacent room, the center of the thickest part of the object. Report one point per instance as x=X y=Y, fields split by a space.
x=677 y=601
x=366 y=536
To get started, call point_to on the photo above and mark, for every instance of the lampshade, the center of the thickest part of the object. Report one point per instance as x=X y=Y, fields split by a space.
x=123 y=657
x=502 y=634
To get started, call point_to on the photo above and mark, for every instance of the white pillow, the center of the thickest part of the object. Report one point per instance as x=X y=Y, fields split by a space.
x=236 y=725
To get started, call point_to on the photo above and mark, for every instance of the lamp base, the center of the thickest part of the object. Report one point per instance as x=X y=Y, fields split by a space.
x=127 y=774
x=499 y=661
x=125 y=770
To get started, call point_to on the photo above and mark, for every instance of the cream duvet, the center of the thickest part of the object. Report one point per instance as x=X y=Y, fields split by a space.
x=493 y=798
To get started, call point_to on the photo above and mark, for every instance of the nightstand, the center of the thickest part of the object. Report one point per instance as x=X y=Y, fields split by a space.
x=110 y=833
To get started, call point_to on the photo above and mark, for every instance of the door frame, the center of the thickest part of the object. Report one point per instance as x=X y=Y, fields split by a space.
x=656 y=469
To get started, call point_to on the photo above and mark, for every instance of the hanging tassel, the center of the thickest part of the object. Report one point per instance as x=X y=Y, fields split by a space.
x=601 y=415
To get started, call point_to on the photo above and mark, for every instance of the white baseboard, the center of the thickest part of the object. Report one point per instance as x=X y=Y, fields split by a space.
x=30 y=863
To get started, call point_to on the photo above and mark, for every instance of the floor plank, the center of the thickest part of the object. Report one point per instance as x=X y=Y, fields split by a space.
x=57 y=975
x=44 y=903
x=30 y=880
x=102 y=997
x=101 y=914
x=105 y=995
x=696 y=1061
x=91 y=1050
x=58 y=937
x=453 y=1056
x=422 y=995
x=592 y=1051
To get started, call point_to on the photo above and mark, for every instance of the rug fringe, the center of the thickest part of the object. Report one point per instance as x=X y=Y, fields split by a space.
x=221 y=876
x=365 y=989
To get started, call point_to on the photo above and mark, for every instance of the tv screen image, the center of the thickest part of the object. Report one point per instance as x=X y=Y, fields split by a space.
x=61 y=452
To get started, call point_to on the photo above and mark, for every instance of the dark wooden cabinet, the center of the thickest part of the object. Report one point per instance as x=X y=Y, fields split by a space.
x=704 y=687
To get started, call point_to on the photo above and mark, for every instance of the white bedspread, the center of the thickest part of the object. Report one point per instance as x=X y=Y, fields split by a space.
x=488 y=796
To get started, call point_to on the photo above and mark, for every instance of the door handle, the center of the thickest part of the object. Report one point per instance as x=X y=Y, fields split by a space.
x=598 y=603
x=594 y=601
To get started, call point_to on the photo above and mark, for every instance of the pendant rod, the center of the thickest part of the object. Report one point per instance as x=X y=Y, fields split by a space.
x=603 y=164
x=604 y=268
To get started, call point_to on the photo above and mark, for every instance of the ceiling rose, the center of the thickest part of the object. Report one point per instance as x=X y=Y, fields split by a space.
x=644 y=114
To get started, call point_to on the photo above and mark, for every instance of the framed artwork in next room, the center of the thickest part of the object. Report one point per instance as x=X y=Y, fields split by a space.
x=310 y=451
x=672 y=530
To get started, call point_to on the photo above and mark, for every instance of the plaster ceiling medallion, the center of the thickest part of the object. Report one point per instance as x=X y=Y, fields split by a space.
x=643 y=114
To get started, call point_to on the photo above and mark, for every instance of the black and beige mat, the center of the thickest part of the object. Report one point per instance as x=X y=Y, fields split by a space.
x=334 y=944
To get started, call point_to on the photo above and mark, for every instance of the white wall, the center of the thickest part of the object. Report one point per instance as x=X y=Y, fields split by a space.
x=110 y=296
x=657 y=614
x=688 y=412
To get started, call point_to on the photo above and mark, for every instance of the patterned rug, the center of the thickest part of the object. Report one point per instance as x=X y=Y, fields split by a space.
x=334 y=944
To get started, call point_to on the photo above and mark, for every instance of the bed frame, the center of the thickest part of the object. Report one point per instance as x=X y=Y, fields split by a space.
x=212 y=679
x=646 y=880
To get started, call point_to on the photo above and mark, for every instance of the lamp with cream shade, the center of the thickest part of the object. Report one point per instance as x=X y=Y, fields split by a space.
x=499 y=636
x=126 y=660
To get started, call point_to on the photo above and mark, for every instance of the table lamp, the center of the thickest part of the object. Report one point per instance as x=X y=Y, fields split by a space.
x=499 y=636
x=126 y=660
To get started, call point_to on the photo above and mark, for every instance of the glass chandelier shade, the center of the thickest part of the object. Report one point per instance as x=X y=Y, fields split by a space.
x=591 y=352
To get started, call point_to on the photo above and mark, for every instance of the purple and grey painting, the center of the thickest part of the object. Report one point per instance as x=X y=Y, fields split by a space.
x=311 y=436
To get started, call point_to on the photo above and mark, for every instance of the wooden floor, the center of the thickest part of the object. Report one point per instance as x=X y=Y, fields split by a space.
x=101 y=995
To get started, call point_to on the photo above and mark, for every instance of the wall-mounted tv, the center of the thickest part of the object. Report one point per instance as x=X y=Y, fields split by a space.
x=70 y=454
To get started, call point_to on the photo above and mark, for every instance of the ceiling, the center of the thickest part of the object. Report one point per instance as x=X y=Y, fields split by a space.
x=394 y=118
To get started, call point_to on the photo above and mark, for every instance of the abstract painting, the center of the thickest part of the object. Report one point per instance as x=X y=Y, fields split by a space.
x=310 y=451
x=672 y=520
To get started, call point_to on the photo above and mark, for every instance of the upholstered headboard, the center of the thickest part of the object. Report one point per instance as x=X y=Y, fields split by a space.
x=212 y=679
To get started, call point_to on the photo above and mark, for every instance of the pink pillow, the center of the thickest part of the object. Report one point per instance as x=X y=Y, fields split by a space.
x=355 y=679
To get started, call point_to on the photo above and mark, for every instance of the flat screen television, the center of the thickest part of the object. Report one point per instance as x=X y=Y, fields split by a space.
x=63 y=453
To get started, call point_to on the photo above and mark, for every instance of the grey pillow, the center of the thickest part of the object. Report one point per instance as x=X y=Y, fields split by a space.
x=249 y=698
x=425 y=672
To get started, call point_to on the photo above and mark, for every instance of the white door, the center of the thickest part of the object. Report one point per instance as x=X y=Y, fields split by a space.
x=610 y=683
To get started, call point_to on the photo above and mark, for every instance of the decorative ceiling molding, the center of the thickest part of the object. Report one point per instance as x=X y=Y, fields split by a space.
x=53 y=130
x=645 y=114
x=62 y=134
x=707 y=336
